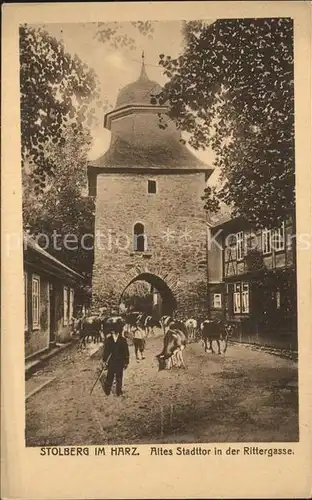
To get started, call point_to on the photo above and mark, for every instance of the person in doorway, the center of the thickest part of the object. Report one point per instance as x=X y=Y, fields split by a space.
x=116 y=356
x=139 y=343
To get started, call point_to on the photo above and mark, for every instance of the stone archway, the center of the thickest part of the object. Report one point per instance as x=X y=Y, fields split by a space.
x=169 y=303
x=185 y=293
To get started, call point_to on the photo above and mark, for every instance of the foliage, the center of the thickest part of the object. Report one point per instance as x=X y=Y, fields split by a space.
x=113 y=34
x=232 y=90
x=138 y=297
x=57 y=92
x=254 y=260
x=62 y=207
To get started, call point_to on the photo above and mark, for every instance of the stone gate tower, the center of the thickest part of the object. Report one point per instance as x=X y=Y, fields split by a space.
x=149 y=222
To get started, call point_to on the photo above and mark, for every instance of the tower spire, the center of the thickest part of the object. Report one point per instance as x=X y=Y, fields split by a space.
x=143 y=75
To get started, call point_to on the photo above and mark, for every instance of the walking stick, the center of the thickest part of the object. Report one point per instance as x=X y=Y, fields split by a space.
x=101 y=373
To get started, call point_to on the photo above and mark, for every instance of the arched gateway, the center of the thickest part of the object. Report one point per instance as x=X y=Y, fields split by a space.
x=165 y=302
x=150 y=223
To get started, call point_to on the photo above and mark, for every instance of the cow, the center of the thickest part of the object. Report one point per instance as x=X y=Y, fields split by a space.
x=148 y=323
x=90 y=327
x=131 y=320
x=112 y=324
x=215 y=330
x=93 y=326
x=172 y=353
x=176 y=324
x=191 y=325
x=75 y=324
x=164 y=321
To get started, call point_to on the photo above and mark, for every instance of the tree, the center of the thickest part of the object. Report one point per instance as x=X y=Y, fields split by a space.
x=138 y=296
x=57 y=91
x=57 y=95
x=63 y=207
x=232 y=90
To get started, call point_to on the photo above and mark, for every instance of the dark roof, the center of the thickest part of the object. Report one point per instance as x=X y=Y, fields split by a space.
x=138 y=92
x=168 y=155
x=164 y=153
x=31 y=243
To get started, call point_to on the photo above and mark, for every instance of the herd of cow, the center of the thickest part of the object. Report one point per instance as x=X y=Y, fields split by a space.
x=178 y=332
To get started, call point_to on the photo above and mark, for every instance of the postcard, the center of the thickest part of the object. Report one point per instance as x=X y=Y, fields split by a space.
x=156 y=242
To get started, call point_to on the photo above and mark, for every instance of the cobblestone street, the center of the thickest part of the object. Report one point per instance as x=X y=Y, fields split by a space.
x=245 y=395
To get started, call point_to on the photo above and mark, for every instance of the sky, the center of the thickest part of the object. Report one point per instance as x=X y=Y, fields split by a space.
x=116 y=67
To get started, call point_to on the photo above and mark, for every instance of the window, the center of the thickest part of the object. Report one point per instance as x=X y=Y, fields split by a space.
x=266 y=241
x=278 y=299
x=25 y=302
x=139 y=238
x=245 y=298
x=35 y=301
x=71 y=303
x=65 y=306
x=237 y=298
x=240 y=245
x=279 y=238
x=241 y=298
x=217 y=301
x=151 y=187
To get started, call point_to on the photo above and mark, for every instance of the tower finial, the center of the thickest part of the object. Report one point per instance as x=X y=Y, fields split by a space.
x=143 y=74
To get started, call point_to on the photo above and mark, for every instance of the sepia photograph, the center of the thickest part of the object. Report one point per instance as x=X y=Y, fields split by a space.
x=156 y=249
x=159 y=232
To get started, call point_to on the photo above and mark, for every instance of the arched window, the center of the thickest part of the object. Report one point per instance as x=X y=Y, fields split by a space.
x=139 y=238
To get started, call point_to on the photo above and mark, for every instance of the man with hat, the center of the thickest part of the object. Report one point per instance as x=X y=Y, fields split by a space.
x=116 y=355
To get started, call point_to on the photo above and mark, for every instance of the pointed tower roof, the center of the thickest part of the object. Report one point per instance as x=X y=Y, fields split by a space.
x=143 y=74
x=140 y=91
x=138 y=143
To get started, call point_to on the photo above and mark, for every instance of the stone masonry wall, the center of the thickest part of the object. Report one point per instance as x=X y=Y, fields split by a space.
x=176 y=208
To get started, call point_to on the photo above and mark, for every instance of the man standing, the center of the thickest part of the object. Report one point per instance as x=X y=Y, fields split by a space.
x=116 y=355
x=139 y=343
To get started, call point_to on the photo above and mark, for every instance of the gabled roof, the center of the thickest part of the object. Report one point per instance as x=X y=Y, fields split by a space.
x=29 y=242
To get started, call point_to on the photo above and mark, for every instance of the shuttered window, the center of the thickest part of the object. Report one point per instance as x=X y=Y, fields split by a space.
x=241 y=298
x=35 y=301
x=65 y=306
x=279 y=238
x=245 y=298
x=278 y=298
x=266 y=241
x=71 y=303
x=237 y=298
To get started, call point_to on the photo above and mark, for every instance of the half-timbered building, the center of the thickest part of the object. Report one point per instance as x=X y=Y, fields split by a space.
x=252 y=280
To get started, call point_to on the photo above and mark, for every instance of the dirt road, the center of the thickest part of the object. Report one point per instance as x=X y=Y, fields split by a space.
x=242 y=396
